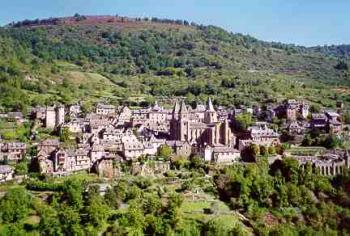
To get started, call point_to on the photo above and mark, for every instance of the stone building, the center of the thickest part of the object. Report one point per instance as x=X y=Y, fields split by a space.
x=107 y=167
x=12 y=151
x=124 y=117
x=334 y=124
x=54 y=116
x=74 y=110
x=60 y=113
x=259 y=134
x=50 y=117
x=6 y=173
x=329 y=164
x=210 y=131
x=180 y=148
x=47 y=146
x=104 y=109
x=292 y=109
x=221 y=154
x=150 y=168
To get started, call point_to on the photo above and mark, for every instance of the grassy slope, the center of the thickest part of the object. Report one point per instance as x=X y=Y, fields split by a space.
x=119 y=60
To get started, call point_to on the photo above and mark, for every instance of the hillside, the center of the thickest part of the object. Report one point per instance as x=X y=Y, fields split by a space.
x=121 y=59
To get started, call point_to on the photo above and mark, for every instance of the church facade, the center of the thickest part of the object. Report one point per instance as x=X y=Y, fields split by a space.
x=200 y=130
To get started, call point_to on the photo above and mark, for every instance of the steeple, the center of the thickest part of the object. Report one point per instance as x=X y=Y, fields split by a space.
x=183 y=108
x=183 y=113
x=210 y=115
x=210 y=106
x=176 y=108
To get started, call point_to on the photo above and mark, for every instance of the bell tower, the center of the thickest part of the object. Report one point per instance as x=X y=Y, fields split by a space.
x=210 y=115
x=184 y=122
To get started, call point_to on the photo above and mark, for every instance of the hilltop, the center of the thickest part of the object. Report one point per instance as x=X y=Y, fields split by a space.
x=134 y=60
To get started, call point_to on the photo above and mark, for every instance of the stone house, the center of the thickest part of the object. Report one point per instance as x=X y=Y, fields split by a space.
x=6 y=173
x=259 y=134
x=221 y=154
x=104 y=109
x=13 y=151
x=132 y=148
x=82 y=159
x=334 y=124
x=180 y=148
x=47 y=146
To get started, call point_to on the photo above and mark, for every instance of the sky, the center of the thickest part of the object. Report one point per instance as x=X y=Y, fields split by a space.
x=302 y=22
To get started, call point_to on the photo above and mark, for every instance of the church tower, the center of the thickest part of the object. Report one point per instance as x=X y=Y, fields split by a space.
x=183 y=122
x=176 y=109
x=227 y=134
x=174 y=122
x=210 y=115
x=59 y=115
x=179 y=122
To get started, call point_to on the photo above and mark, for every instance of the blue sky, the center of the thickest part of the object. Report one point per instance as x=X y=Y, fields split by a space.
x=303 y=22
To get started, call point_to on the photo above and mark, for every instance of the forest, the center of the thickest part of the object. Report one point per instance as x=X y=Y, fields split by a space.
x=276 y=199
x=63 y=60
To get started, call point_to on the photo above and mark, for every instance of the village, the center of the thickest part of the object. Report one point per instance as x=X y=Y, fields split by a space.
x=110 y=137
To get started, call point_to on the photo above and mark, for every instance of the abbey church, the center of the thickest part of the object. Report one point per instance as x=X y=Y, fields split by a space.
x=200 y=127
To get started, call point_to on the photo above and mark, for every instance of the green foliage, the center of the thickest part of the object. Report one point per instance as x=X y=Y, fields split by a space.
x=73 y=190
x=111 y=198
x=15 y=205
x=150 y=57
x=341 y=65
x=49 y=225
x=243 y=121
x=180 y=162
x=96 y=211
x=328 y=141
x=12 y=132
x=65 y=135
x=22 y=168
x=164 y=152
x=287 y=193
x=196 y=162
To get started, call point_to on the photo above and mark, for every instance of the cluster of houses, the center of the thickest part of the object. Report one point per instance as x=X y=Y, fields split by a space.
x=115 y=134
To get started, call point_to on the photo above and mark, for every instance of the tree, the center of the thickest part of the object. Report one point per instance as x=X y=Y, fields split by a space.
x=179 y=162
x=111 y=198
x=243 y=121
x=22 y=168
x=254 y=149
x=70 y=221
x=65 y=135
x=97 y=211
x=73 y=191
x=263 y=150
x=134 y=219
x=15 y=205
x=49 y=223
x=133 y=192
x=121 y=190
x=290 y=170
x=341 y=65
x=196 y=162
x=314 y=108
x=151 y=204
x=307 y=141
x=331 y=142
x=165 y=151
x=272 y=150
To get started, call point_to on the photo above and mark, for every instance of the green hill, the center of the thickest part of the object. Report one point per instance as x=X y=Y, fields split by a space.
x=118 y=58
